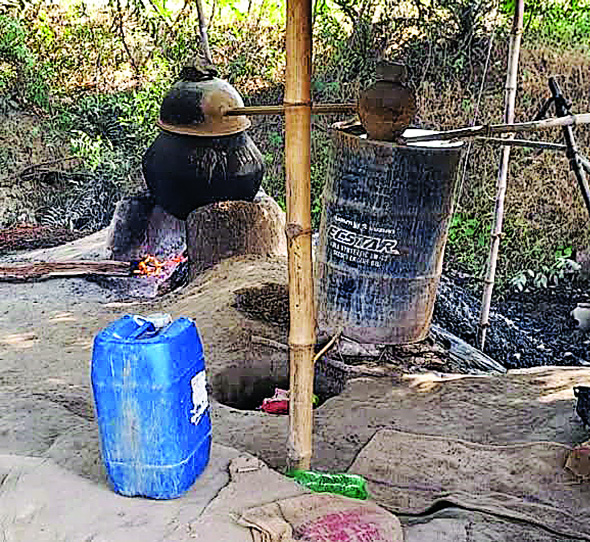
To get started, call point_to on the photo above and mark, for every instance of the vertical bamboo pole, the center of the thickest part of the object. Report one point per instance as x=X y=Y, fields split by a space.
x=298 y=177
x=511 y=85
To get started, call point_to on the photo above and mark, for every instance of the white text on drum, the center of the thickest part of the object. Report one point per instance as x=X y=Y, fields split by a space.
x=363 y=242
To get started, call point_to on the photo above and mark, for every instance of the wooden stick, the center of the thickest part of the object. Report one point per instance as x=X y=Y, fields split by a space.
x=511 y=85
x=47 y=270
x=203 y=32
x=544 y=145
x=316 y=109
x=459 y=349
x=26 y=171
x=257 y=339
x=298 y=179
x=487 y=130
x=123 y=39
x=327 y=347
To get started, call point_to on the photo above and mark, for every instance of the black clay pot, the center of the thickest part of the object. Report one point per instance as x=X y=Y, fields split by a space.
x=185 y=172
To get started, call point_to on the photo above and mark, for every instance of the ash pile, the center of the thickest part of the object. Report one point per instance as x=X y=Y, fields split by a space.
x=525 y=331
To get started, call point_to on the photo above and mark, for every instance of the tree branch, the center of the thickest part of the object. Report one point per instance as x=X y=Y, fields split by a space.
x=122 y=32
x=203 y=32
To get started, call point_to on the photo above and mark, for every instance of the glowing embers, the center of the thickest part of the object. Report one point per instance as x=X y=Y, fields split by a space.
x=152 y=276
x=152 y=266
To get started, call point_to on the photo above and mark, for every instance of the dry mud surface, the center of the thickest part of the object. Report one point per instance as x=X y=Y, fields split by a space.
x=46 y=405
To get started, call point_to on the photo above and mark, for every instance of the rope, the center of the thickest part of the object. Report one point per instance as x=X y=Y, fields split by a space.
x=459 y=190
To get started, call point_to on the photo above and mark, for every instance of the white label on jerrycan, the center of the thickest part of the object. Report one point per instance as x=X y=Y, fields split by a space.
x=200 y=400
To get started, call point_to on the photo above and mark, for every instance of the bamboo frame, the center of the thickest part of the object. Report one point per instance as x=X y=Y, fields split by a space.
x=572 y=153
x=297 y=104
x=474 y=131
x=511 y=86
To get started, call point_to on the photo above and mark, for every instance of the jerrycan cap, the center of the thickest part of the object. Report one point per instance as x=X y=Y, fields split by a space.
x=159 y=319
x=151 y=324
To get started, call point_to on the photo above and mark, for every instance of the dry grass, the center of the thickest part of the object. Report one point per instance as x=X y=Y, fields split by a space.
x=544 y=207
x=25 y=141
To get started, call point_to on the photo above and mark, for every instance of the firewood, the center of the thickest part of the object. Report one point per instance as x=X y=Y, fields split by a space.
x=33 y=271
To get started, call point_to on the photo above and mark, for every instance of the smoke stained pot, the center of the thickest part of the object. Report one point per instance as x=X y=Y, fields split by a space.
x=201 y=156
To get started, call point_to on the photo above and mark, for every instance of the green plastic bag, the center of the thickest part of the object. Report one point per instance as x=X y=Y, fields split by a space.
x=349 y=485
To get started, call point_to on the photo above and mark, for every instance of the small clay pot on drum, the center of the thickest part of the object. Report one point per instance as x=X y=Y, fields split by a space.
x=201 y=155
x=387 y=107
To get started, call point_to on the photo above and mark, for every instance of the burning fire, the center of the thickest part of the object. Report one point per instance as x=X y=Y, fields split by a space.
x=150 y=265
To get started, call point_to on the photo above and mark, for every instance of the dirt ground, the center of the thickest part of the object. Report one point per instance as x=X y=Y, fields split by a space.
x=46 y=405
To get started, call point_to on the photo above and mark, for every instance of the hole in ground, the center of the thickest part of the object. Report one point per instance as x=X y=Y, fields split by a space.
x=245 y=387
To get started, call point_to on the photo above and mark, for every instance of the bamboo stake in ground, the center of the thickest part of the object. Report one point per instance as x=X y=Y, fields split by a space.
x=511 y=85
x=298 y=171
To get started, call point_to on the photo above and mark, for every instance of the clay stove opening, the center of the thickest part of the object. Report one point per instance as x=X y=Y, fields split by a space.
x=186 y=248
x=153 y=241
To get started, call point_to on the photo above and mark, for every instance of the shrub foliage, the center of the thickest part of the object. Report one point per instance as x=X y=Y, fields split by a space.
x=81 y=84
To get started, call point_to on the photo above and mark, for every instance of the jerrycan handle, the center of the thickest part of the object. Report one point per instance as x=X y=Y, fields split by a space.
x=144 y=326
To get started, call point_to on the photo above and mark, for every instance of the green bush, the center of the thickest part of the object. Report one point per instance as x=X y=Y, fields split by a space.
x=564 y=22
x=98 y=98
x=23 y=79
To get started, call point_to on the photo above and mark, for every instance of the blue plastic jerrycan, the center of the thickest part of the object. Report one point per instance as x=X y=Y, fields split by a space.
x=152 y=408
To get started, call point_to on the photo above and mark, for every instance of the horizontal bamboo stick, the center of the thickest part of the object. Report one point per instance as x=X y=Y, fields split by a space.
x=316 y=109
x=522 y=143
x=487 y=130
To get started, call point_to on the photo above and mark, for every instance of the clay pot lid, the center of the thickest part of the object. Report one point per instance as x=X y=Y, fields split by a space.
x=197 y=103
